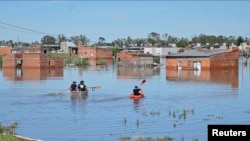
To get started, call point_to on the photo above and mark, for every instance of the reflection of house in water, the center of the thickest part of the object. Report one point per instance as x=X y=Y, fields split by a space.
x=222 y=76
x=214 y=66
x=137 y=72
x=23 y=74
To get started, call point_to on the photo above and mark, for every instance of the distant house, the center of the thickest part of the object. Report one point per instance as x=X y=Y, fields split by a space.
x=5 y=50
x=128 y=59
x=30 y=49
x=160 y=51
x=198 y=60
x=31 y=60
x=50 y=47
x=134 y=49
x=94 y=54
x=68 y=47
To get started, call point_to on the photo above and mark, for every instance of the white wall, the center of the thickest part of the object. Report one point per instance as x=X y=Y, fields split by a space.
x=158 y=51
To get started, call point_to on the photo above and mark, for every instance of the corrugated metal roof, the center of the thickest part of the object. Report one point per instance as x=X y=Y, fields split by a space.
x=196 y=53
x=70 y=44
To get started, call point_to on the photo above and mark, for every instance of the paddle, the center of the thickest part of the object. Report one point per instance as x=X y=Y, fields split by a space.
x=61 y=91
x=95 y=87
x=143 y=81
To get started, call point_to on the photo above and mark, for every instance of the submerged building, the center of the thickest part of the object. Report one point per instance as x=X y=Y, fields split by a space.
x=31 y=60
x=203 y=59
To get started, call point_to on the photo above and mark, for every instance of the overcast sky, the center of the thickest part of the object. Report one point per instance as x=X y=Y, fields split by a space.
x=29 y=21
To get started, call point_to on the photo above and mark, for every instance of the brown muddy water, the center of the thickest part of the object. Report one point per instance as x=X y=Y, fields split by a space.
x=177 y=104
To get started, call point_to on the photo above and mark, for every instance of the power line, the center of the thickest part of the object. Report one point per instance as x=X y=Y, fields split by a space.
x=23 y=28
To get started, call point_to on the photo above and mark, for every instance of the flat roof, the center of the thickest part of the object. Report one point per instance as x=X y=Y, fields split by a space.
x=196 y=53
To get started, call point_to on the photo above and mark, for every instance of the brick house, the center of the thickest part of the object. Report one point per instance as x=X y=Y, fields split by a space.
x=199 y=60
x=5 y=50
x=139 y=59
x=94 y=52
x=31 y=60
x=68 y=47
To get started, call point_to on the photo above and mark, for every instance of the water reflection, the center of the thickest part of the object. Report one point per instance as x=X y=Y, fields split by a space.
x=137 y=72
x=80 y=97
x=223 y=76
x=139 y=106
x=18 y=74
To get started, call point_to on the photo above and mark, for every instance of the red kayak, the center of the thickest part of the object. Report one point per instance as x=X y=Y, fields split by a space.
x=132 y=96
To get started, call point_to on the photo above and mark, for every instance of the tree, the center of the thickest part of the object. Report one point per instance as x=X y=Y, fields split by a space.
x=182 y=43
x=48 y=40
x=239 y=40
x=101 y=41
x=153 y=38
x=80 y=38
x=61 y=38
x=165 y=38
x=128 y=41
x=84 y=39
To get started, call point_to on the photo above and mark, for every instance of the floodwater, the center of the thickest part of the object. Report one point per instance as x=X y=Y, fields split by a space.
x=178 y=104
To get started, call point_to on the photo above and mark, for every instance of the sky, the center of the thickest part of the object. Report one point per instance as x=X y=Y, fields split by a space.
x=29 y=21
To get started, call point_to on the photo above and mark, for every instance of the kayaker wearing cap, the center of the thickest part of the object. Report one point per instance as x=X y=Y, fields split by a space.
x=81 y=86
x=136 y=90
x=73 y=86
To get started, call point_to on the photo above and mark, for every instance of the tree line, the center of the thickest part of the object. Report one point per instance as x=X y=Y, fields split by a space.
x=153 y=39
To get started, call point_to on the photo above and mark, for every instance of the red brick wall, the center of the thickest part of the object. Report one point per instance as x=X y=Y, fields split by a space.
x=226 y=60
x=5 y=51
x=222 y=61
x=187 y=63
x=102 y=53
x=93 y=52
x=32 y=60
x=126 y=56
x=9 y=61
x=56 y=63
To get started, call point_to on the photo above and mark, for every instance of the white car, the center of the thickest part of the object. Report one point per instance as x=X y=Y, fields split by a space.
x=60 y=51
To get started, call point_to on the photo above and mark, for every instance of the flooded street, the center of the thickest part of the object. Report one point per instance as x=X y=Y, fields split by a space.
x=178 y=104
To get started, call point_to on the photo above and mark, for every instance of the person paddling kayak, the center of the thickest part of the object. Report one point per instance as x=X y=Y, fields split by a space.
x=81 y=86
x=73 y=86
x=137 y=90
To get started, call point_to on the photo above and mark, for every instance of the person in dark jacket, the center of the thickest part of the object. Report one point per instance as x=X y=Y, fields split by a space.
x=81 y=86
x=73 y=86
x=136 y=90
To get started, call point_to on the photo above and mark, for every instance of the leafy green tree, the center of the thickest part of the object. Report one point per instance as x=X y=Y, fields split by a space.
x=153 y=38
x=48 y=40
x=61 y=38
x=182 y=43
x=239 y=40
x=165 y=39
x=77 y=39
x=101 y=41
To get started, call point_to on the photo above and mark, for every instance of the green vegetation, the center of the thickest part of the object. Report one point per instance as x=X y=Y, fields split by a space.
x=70 y=59
x=153 y=38
x=6 y=133
x=1 y=61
